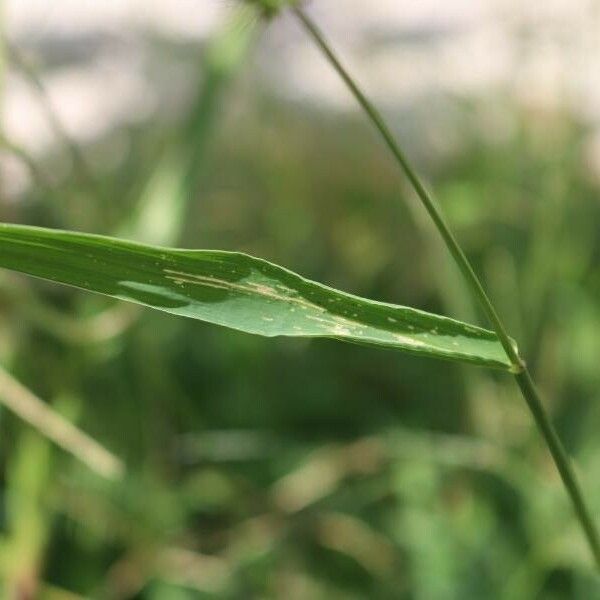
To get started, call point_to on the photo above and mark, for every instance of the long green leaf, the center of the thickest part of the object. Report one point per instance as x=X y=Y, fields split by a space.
x=238 y=291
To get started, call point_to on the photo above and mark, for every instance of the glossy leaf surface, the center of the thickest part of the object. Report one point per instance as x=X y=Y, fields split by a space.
x=238 y=291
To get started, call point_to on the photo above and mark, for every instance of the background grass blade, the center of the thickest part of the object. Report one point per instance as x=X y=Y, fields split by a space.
x=22 y=402
x=238 y=291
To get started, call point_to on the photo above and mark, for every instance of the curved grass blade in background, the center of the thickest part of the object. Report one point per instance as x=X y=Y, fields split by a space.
x=238 y=291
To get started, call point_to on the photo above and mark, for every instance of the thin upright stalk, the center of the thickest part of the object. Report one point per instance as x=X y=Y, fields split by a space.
x=519 y=368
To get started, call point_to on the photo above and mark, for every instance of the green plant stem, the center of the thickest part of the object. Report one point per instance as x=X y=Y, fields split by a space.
x=534 y=402
x=428 y=202
x=519 y=367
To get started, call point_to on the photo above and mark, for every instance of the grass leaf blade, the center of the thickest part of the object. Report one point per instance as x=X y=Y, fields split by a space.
x=238 y=291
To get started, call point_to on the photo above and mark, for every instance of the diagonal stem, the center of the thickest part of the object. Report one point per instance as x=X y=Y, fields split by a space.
x=26 y=405
x=519 y=368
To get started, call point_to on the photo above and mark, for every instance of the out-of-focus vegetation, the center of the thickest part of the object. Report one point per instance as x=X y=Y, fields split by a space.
x=290 y=469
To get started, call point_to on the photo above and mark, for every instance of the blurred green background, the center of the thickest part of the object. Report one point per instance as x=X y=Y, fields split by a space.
x=260 y=468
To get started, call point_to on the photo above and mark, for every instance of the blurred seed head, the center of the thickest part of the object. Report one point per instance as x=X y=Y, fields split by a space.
x=269 y=8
